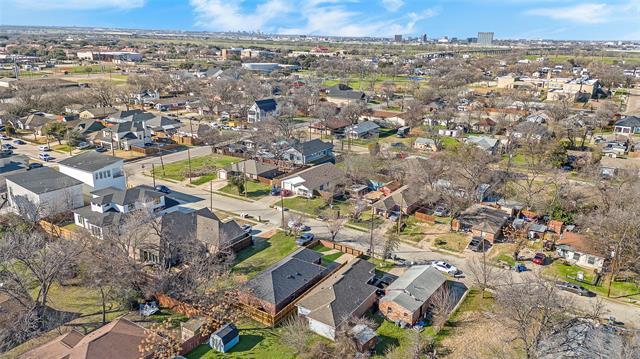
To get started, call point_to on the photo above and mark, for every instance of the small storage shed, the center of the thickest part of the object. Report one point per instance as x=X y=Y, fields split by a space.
x=224 y=338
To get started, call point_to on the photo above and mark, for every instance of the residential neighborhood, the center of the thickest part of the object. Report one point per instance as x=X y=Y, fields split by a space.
x=251 y=192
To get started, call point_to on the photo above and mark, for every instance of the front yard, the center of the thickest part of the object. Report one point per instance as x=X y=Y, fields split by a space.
x=252 y=260
x=456 y=242
x=255 y=190
x=179 y=170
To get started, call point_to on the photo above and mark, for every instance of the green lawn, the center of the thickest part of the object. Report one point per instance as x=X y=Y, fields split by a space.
x=568 y=273
x=203 y=179
x=453 y=241
x=390 y=335
x=364 y=221
x=178 y=170
x=450 y=143
x=62 y=148
x=313 y=206
x=254 y=189
x=412 y=230
x=254 y=344
x=252 y=260
x=330 y=258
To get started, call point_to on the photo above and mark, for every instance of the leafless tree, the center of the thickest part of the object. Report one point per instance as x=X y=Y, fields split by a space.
x=296 y=335
x=388 y=89
x=335 y=222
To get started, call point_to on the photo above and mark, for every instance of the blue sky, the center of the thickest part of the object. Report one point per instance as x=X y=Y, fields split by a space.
x=532 y=19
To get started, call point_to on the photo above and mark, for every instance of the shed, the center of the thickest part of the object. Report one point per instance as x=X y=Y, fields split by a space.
x=224 y=338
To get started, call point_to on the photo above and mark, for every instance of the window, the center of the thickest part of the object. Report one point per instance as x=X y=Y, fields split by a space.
x=406 y=314
x=100 y=173
x=591 y=260
x=388 y=309
x=576 y=256
x=96 y=176
x=96 y=231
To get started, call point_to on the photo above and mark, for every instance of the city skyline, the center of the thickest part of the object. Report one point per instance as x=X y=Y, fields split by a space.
x=509 y=19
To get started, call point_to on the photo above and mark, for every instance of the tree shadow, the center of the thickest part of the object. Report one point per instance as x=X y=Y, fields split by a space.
x=385 y=342
x=247 y=342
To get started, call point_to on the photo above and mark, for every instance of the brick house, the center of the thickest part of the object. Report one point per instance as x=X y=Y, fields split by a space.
x=407 y=299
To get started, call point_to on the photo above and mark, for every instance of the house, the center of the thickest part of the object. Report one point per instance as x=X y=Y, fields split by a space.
x=145 y=97
x=321 y=178
x=225 y=338
x=252 y=169
x=44 y=190
x=627 y=126
x=10 y=164
x=485 y=125
x=284 y=282
x=488 y=144
x=387 y=118
x=579 y=249
x=135 y=115
x=334 y=126
x=539 y=117
x=611 y=167
x=35 y=123
x=86 y=128
x=108 y=205
x=97 y=113
x=119 y=339
x=262 y=110
x=407 y=299
x=172 y=103
x=365 y=129
x=162 y=124
x=425 y=144
x=124 y=135
x=191 y=328
x=95 y=170
x=211 y=72
x=310 y=152
x=342 y=94
x=530 y=131
x=405 y=199
x=344 y=295
x=482 y=221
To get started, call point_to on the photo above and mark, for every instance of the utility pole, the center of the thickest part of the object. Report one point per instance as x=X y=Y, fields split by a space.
x=189 y=157
x=371 y=237
x=153 y=174
x=211 y=195
x=399 y=221
x=113 y=151
x=282 y=207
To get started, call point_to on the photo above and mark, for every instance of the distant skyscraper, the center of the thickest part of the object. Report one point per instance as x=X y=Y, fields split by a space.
x=424 y=38
x=485 y=38
x=397 y=38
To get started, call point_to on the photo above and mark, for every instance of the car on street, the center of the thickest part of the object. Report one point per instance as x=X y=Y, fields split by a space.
x=44 y=148
x=275 y=191
x=445 y=267
x=305 y=239
x=441 y=211
x=101 y=149
x=34 y=165
x=18 y=142
x=6 y=152
x=163 y=189
x=575 y=289
x=298 y=226
x=4 y=137
x=83 y=145
x=7 y=146
x=540 y=259
x=247 y=228
x=45 y=157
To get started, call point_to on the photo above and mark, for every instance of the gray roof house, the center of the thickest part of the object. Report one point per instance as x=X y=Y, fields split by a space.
x=251 y=168
x=43 y=191
x=325 y=177
x=407 y=298
x=363 y=130
x=344 y=295
x=342 y=94
x=95 y=170
x=483 y=221
x=627 y=125
x=405 y=199
x=488 y=144
x=282 y=283
x=262 y=110
x=310 y=152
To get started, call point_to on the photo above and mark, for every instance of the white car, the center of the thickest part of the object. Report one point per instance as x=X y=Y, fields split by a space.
x=445 y=267
x=44 y=148
x=45 y=157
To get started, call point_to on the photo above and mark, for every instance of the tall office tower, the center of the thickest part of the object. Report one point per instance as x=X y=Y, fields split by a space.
x=485 y=38
x=397 y=38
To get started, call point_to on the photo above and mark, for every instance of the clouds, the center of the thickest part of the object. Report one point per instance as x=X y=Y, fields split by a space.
x=316 y=17
x=78 y=4
x=591 y=13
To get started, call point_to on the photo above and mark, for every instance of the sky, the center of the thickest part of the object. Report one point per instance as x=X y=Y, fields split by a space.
x=508 y=19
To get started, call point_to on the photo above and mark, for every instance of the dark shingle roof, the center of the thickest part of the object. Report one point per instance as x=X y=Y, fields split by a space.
x=313 y=146
x=317 y=175
x=629 y=121
x=279 y=282
x=267 y=105
x=253 y=167
x=43 y=180
x=226 y=333
x=90 y=161
x=414 y=287
x=126 y=197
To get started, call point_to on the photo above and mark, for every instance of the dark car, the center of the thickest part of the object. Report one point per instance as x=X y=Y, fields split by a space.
x=34 y=165
x=101 y=149
x=163 y=189
x=275 y=191
x=19 y=142
x=305 y=239
x=478 y=244
x=574 y=288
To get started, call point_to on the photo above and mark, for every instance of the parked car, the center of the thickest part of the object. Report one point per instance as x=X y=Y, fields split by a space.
x=44 y=148
x=4 y=137
x=34 y=165
x=305 y=239
x=18 y=142
x=477 y=243
x=45 y=157
x=163 y=189
x=298 y=226
x=539 y=258
x=574 y=288
x=101 y=149
x=441 y=211
x=275 y=191
x=6 y=152
x=7 y=146
x=83 y=145
x=445 y=267
x=247 y=228
x=286 y=192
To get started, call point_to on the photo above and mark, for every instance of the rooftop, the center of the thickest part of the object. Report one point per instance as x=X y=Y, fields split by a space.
x=43 y=180
x=90 y=161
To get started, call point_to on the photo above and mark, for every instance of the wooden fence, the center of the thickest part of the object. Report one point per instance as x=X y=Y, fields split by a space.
x=177 y=306
x=57 y=231
x=342 y=248
x=425 y=217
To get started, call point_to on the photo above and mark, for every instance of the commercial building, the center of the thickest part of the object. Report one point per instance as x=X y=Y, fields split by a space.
x=110 y=56
x=485 y=38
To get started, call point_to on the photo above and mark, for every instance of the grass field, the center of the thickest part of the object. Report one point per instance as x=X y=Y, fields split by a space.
x=313 y=206
x=255 y=190
x=178 y=170
x=456 y=242
x=250 y=261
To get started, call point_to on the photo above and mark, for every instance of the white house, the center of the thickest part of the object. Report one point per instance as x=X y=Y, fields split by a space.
x=95 y=170
x=42 y=192
x=578 y=249
x=324 y=177
x=262 y=110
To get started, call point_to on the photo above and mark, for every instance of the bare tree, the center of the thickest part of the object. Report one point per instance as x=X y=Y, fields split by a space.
x=484 y=275
x=335 y=222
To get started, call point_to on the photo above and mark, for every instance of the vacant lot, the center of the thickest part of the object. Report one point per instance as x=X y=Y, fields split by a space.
x=178 y=171
x=453 y=241
x=255 y=190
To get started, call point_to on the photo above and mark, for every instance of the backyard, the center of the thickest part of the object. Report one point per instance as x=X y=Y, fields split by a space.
x=255 y=190
x=313 y=206
x=252 y=260
x=179 y=170
x=456 y=242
